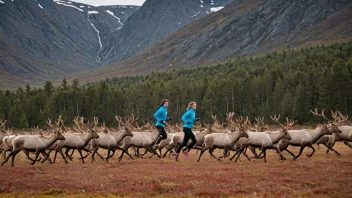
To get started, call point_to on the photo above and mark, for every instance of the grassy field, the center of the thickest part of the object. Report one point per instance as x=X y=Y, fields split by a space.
x=319 y=176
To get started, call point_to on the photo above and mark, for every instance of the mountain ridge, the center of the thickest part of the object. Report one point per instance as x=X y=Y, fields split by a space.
x=237 y=30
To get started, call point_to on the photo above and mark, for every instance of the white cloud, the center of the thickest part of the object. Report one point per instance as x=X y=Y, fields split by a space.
x=110 y=2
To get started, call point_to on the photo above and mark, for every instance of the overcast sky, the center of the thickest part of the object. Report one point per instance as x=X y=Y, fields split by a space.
x=111 y=2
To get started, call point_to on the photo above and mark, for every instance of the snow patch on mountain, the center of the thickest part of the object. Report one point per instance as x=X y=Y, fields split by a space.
x=112 y=14
x=101 y=45
x=64 y=4
x=93 y=12
x=215 y=9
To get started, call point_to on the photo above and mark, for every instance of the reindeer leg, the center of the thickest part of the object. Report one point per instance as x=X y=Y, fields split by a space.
x=201 y=153
x=211 y=153
x=86 y=150
x=36 y=157
x=28 y=156
x=227 y=153
x=300 y=152
x=67 y=155
x=8 y=157
x=293 y=155
x=62 y=155
x=238 y=156
x=4 y=154
x=256 y=156
x=145 y=152
x=94 y=151
x=136 y=151
x=13 y=157
x=80 y=153
x=124 y=151
x=310 y=155
x=348 y=144
x=46 y=156
x=224 y=154
x=167 y=151
x=148 y=148
x=280 y=154
x=264 y=152
x=234 y=156
x=56 y=151
x=160 y=151
x=330 y=148
x=246 y=156
x=73 y=150
x=113 y=152
x=107 y=157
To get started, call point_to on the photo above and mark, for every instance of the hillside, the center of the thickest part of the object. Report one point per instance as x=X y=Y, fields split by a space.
x=155 y=20
x=46 y=39
x=242 y=28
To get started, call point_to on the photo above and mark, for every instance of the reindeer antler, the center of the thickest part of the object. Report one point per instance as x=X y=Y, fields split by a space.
x=276 y=120
x=342 y=117
x=289 y=123
x=2 y=125
x=119 y=120
x=337 y=119
x=50 y=124
x=316 y=113
x=216 y=124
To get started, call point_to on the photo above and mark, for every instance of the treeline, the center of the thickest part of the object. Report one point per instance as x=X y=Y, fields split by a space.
x=289 y=82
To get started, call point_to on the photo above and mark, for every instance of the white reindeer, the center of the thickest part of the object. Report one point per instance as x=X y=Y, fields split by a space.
x=306 y=137
x=37 y=144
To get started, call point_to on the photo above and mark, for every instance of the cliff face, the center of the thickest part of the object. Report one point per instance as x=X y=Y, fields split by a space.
x=45 y=39
x=244 y=27
x=155 y=20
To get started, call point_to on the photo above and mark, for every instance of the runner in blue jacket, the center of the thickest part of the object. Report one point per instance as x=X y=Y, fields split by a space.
x=188 y=119
x=161 y=118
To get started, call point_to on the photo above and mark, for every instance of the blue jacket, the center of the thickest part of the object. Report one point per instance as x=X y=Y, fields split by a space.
x=161 y=115
x=189 y=117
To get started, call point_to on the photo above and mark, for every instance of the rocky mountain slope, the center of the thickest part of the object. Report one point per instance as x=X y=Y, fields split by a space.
x=46 y=39
x=244 y=27
x=157 y=19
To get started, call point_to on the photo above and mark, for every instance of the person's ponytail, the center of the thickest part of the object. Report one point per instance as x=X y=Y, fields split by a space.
x=163 y=102
x=190 y=105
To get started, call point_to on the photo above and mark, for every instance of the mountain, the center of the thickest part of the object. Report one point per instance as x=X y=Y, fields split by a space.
x=243 y=28
x=46 y=39
x=121 y=12
x=155 y=20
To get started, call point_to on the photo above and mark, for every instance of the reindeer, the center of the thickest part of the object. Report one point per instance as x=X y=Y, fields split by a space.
x=306 y=137
x=33 y=143
x=265 y=140
x=221 y=140
x=2 y=134
x=111 y=140
x=345 y=136
x=76 y=141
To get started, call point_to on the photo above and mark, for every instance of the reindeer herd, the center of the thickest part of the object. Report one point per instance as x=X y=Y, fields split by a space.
x=236 y=135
